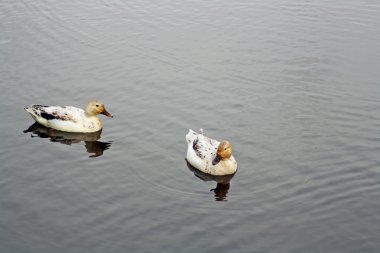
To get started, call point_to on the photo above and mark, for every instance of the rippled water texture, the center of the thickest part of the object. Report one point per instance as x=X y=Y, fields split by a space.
x=293 y=85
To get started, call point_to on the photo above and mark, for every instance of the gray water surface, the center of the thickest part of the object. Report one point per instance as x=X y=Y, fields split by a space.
x=293 y=85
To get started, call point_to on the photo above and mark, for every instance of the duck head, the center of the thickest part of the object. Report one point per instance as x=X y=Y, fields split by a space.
x=95 y=107
x=224 y=152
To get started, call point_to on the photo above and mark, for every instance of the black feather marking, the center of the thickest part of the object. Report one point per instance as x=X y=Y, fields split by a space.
x=196 y=147
x=216 y=160
x=195 y=144
x=39 y=110
x=47 y=116
x=39 y=106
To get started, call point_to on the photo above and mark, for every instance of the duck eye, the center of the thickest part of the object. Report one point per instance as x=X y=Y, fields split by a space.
x=225 y=148
x=97 y=105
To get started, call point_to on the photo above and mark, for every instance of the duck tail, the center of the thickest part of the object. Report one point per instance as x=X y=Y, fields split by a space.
x=191 y=136
x=29 y=109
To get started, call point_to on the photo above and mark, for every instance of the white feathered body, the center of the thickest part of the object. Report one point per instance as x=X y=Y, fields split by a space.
x=65 y=118
x=202 y=150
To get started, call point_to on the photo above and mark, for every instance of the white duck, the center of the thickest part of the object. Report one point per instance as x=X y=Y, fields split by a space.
x=210 y=156
x=69 y=118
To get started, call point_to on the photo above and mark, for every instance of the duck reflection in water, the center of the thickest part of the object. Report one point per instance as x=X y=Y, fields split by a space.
x=92 y=145
x=222 y=182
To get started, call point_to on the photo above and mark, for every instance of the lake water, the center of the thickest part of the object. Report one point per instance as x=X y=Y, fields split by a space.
x=293 y=85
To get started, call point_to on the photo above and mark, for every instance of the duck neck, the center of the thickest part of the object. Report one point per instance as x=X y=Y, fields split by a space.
x=89 y=114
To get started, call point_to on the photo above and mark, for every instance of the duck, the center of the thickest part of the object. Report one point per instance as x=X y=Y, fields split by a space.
x=70 y=118
x=210 y=156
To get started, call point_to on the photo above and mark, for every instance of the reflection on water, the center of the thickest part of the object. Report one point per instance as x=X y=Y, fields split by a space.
x=92 y=145
x=222 y=182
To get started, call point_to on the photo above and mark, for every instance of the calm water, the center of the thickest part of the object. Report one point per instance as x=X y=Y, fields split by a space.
x=293 y=85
